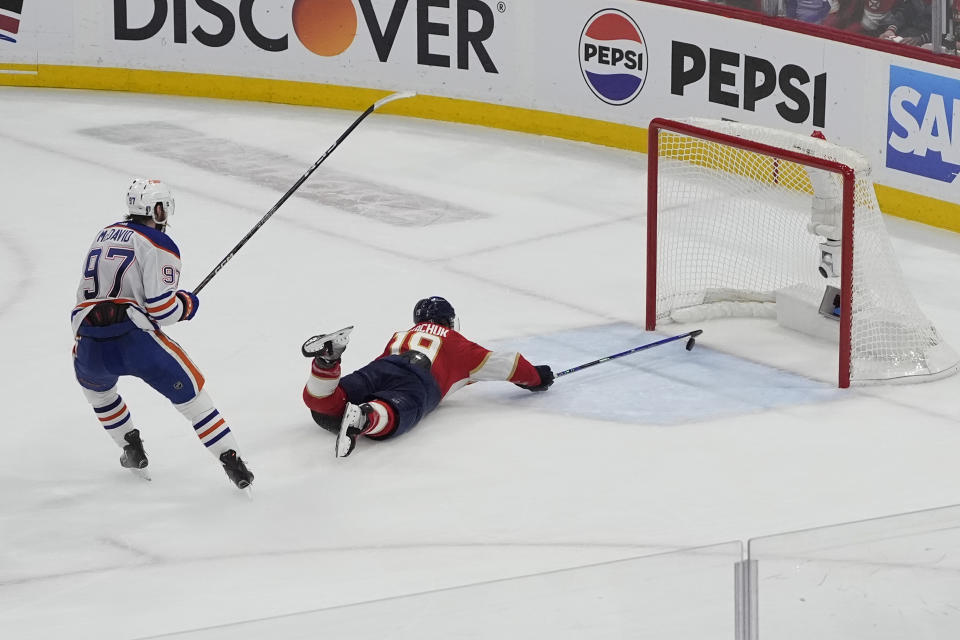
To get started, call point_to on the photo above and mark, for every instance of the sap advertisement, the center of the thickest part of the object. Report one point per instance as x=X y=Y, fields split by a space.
x=923 y=124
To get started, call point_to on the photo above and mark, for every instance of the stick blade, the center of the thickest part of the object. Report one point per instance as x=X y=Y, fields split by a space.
x=400 y=95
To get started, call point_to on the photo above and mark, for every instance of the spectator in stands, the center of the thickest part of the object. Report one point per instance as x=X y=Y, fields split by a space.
x=875 y=16
x=812 y=11
x=847 y=16
x=908 y=22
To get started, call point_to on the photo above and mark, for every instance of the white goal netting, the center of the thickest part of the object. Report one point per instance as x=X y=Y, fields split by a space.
x=736 y=225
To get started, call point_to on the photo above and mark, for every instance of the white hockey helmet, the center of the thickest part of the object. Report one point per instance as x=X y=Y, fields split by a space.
x=143 y=198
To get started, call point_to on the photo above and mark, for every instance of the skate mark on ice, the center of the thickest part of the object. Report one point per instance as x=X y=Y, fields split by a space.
x=152 y=560
x=17 y=282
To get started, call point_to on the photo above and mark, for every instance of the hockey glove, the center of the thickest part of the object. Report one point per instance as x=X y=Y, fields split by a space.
x=546 y=379
x=190 y=303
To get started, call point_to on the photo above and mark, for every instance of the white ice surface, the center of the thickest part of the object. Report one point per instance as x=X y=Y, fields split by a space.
x=539 y=245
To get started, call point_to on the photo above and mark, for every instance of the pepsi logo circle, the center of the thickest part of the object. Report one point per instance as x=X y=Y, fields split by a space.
x=613 y=56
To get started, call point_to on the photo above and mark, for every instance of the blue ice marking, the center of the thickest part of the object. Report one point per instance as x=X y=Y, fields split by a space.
x=663 y=385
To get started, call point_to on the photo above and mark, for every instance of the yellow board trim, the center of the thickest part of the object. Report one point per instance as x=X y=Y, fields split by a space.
x=331 y=96
x=17 y=67
x=912 y=206
x=904 y=204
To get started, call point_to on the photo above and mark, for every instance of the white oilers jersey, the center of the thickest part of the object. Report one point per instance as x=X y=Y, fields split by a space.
x=131 y=264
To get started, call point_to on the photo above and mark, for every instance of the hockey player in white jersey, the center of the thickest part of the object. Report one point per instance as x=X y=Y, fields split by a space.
x=128 y=291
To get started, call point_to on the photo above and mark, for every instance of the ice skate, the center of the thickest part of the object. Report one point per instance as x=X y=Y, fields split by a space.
x=134 y=457
x=327 y=348
x=355 y=420
x=236 y=469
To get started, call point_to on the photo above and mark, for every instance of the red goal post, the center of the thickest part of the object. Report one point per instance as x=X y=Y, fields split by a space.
x=738 y=214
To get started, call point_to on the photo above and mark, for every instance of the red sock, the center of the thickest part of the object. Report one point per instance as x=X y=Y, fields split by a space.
x=382 y=421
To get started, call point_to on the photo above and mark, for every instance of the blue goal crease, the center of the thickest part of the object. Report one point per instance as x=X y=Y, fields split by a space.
x=666 y=385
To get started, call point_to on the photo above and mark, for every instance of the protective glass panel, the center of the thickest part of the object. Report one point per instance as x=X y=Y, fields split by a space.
x=678 y=595
x=882 y=579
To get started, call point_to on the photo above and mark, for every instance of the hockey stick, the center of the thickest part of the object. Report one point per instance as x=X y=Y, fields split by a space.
x=691 y=335
x=376 y=105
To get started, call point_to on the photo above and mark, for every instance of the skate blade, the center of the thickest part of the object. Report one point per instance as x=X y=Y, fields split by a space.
x=313 y=346
x=143 y=474
x=345 y=444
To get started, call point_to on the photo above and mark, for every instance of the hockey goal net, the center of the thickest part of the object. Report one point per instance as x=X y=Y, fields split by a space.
x=739 y=213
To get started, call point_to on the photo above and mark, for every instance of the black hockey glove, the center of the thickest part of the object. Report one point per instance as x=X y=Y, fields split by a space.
x=546 y=379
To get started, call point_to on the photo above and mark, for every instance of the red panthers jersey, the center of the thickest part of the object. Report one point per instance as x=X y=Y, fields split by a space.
x=457 y=361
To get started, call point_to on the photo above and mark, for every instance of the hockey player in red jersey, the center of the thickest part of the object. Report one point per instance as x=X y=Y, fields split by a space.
x=416 y=370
